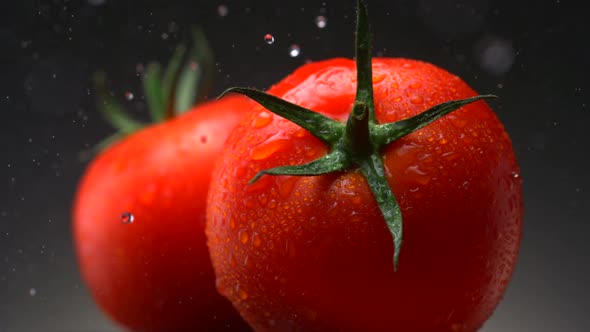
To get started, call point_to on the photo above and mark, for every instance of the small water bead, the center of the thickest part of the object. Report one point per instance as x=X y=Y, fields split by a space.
x=129 y=95
x=261 y=120
x=222 y=10
x=417 y=100
x=415 y=85
x=269 y=39
x=244 y=237
x=321 y=21
x=32 y=292
x=127 y=217
x=294 y=51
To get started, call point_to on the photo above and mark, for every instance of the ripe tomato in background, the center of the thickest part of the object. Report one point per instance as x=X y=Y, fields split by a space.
x=314 y=253
x=154 y=274
x=139 y=212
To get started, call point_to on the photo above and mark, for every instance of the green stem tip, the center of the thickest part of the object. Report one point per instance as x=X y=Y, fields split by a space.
x=168 y=92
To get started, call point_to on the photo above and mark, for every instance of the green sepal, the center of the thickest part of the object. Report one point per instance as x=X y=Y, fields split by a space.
x=111 y=109
x=373 y=170
x=170 y=79
x=319 y=125
x=196 y=78
x=331 y=162
x=389 y=132
x=154 y=93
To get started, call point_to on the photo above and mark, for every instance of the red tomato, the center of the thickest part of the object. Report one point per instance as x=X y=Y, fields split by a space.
x=313 y=253
x=150 y=270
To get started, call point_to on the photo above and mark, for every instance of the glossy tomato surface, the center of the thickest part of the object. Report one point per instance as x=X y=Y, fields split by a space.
x=314 y=253
x=139 y=218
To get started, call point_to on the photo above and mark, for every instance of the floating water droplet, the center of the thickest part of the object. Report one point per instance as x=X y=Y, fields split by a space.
x=129 y=95
x=32 y=291
x=321 y=21
x=127 y=217
x=222 y=10
x=294 y=50
x=269 y=39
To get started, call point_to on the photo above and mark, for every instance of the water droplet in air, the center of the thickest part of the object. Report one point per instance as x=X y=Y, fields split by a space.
x=321 y=21
x=222 y=10
x=129 y=95
x=269 y=39
x=32 y=291
x=294 y=51
x=127 y=217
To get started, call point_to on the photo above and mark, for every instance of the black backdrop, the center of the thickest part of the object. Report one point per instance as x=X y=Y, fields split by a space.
x=534 y=54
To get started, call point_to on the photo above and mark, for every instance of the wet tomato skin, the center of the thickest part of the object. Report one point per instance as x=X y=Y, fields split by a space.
x=314 y=253
x=154 y=273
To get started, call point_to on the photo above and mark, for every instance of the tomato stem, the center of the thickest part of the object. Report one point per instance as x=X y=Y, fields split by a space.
x=358 y=143
x=357 y=136
x=187 y=78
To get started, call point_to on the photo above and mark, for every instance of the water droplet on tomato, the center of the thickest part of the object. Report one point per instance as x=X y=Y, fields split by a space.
x=219 y=286
x=286 y=185
x=269 y=39
x=232 y=260
x=418 y=174
x=262 y=120
x=244 y=237
x=242 y=294
x=515 y=175
x=127 y=217
x=415 y=85
x=417 y=100
x=269 y=147
x=256 y=241
x=378 y=78
x=294 y=51
x=321 y=21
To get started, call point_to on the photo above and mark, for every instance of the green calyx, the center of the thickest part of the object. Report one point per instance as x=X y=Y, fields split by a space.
x=356 y=144
x=168 y=93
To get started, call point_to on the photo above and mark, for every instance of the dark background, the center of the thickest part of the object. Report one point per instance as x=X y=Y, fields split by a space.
x=534 y=54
